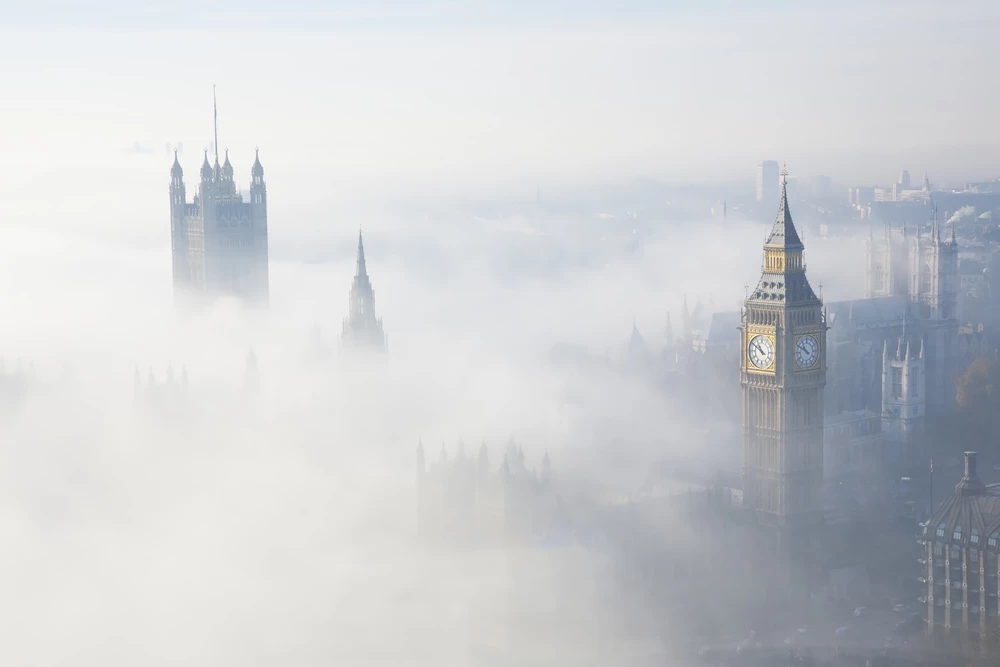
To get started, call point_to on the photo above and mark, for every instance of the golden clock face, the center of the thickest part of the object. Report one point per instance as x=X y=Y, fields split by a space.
x=760 y=351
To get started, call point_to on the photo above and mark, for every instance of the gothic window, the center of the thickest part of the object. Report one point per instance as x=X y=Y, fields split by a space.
x=914 y=381
x=955 y=554
x=897 y=382
x=974 y=536
x=993 y=539
x=877 y=276
x=925 y=279
x=940 y=529
x=958 y=533
x=938 y=549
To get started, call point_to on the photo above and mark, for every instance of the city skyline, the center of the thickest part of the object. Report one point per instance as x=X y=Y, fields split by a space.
x=632 y=412
x=551 y=140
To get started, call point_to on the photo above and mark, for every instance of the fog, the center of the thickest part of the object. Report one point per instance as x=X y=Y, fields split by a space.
x=272 y=518
x=281 y=525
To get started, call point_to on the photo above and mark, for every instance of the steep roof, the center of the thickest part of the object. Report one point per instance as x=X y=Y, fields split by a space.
x=783 y=232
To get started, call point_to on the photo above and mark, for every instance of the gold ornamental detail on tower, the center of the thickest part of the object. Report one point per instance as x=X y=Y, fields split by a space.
x=760 y=351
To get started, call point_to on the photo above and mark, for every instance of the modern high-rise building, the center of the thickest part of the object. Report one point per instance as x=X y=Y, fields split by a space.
x=362 y=328
x=219 y=240
x=768 y=181
x=783 y=372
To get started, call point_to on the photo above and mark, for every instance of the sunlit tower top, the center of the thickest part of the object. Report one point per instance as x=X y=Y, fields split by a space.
x=783 y=371
x=767 y=182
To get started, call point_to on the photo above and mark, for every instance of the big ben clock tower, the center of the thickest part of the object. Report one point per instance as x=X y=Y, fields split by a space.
x=783 y=370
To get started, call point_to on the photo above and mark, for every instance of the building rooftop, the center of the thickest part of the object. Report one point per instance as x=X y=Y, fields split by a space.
x=971 y=515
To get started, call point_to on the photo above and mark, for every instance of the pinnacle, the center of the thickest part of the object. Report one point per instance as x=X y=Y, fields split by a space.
x=783 y=232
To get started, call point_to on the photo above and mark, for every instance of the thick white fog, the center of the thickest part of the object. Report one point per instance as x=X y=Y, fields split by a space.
x=228 y=525
x=281 y=525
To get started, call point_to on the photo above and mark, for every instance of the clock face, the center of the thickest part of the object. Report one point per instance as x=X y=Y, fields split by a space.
x=761 y=351
x=806 y=352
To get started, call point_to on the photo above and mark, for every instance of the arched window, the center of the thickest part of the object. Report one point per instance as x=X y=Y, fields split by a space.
x=877 y=275
x=940 y=529
x=925 y=279
x=958 y=532
x=993 y=538
x=974 y=536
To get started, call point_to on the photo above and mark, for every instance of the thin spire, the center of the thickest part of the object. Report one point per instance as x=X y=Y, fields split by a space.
x=362 y=269
x=215 y=123
x=783 y=232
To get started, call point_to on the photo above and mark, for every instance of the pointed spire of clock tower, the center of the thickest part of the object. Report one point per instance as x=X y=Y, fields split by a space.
x=783 y=234
x=783 y=372
x=783 y=271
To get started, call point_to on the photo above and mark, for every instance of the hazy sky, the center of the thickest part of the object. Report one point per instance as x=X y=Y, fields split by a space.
x=357 y=101
x=280 y=531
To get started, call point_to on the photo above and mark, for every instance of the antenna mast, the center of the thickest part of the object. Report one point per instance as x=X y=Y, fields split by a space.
x=215 y=123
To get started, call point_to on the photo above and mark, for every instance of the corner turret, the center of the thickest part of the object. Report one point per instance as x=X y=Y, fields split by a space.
x=206 y=169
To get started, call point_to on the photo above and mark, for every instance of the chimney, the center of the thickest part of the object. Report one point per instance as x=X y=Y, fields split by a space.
x=970 y=464
x=970 y=484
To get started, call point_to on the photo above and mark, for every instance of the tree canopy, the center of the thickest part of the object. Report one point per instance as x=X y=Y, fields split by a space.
x=977 y=392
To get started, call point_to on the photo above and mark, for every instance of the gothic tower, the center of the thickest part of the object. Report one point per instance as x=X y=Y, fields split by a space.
x=362 y=329
x=179 y=228
x=903 y=391
x=219 y=241
x=783 y=371
x=934 y=290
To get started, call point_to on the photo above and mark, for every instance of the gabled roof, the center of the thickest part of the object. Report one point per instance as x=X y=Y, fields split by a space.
x=724 y=328
x=877 y=311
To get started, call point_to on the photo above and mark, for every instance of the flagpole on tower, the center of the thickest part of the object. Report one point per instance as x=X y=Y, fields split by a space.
x=215 y=123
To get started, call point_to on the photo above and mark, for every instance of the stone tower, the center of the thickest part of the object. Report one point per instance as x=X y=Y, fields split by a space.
x=783 y=371
x=934 y=293
x=886 y=264
x=362 y=329
x=219 y=241
x=921 y=269
x=903 y=391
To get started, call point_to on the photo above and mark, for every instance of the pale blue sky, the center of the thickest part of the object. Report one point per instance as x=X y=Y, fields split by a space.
x=368 y=99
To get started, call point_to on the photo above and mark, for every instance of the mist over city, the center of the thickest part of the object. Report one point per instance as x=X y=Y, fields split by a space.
x=475 y=333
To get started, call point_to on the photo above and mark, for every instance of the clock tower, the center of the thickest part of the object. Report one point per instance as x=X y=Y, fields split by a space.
x=782 y=371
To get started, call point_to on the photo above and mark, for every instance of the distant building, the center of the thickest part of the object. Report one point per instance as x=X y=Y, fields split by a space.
x=904 y=180
x=962 y=541
x=167 y=397
x=903 y=394
x=824 y=184
x=362 y=328
x=852 y=444
x=463 y=499
x=921 y=270
x=768 y=181
x=219 y=240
